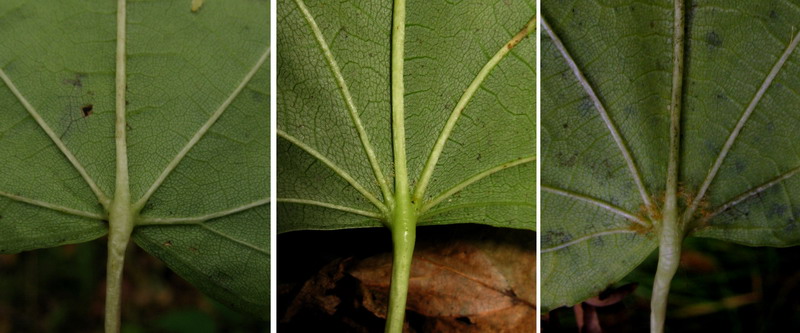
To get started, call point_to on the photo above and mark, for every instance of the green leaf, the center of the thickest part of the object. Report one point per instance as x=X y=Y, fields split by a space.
x=335 y=156
x=197 y=126
x=607 y=70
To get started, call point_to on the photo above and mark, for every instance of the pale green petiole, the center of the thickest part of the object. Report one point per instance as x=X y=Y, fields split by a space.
x=404 y=233
x=671 y=228
x=121 y=216
x=403 y=218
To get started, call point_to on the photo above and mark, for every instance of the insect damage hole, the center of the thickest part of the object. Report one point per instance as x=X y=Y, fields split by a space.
x=87 y=110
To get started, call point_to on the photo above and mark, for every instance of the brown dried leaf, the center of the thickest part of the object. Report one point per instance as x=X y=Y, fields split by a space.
x=315 y=291
x=518 y=318
x=463 y=285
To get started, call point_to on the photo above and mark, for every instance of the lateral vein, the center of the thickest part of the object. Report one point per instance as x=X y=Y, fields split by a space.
x=54 y=207
x=469 y=181
x=202 y=131
x=338 y=170
x=751 y=192
x=144 y=220
x=348 y=100
x=597 y=202
x=228 y=237
x=587 y=237
x=602 y=111
x=438 y=147
x=346 y=209
x=740 y=124
x=101 y=197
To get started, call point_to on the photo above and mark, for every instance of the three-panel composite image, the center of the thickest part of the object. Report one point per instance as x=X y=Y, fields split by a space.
x=399 y=166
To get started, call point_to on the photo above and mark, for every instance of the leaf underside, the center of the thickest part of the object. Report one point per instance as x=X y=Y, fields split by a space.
x=326 y=180
x=596 y=227
x=182 y=66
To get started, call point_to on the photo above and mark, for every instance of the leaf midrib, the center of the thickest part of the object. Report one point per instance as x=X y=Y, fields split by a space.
x=400 y=160
x=121 y=171
x=688 y=217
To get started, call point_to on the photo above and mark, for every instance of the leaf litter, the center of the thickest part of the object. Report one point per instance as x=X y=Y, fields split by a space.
x=463 y=282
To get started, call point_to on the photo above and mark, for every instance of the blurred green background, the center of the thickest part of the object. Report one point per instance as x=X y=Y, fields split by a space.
x=62 y=290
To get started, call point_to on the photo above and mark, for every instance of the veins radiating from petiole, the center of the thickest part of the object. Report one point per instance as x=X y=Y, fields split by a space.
x=348 y=100
x=335 y=168
x=740 y=124
x=232 y=239
x=104 y=200
x=147 y=220
x=438 y=147
x=586 y=238
x=612 y=128
x=749 y=193
x=599 y=203
x=469 y=181
x=428 y=216
x=375 y=215
x=201 y=131
x=58 y=208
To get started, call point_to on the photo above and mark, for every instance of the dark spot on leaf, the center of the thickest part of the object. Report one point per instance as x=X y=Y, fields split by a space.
x=791 y=226
x=585 y=107
x=566 y=161
x=739 y=166
x=87 y=110
x=75 y=81
x=565 y=125
x=193 y=249
x=710 y=146
x=168 y=243
x=773 y=14
x=630 y=110
x=257 y=96
x=478 y=158
x=555 y=238
x=776 y=210
x=713 y=40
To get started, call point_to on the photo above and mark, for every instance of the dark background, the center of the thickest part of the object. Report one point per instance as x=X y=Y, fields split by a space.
x=719 y=287
x=63 y=289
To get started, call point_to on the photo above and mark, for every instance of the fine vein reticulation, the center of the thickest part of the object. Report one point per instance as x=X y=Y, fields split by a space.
x=597 y=202
x=740 y=124
x=101 y=197
x=121 y=215
x=623 y=148
x=436 y=151
x=670 y=222
x=348 y=99
x=688 y=215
